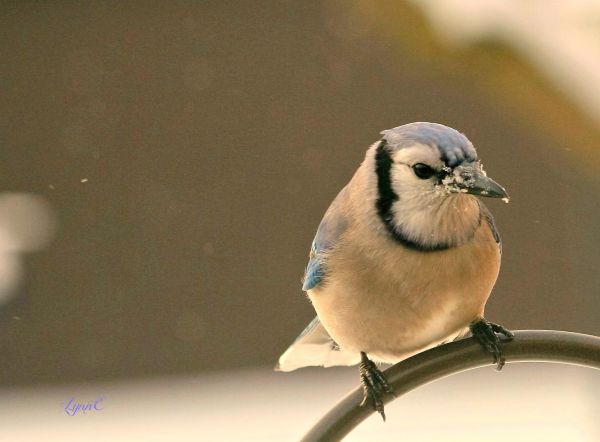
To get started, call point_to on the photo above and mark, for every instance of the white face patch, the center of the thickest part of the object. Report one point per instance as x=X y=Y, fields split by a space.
x=403 y=178
x=427 y=212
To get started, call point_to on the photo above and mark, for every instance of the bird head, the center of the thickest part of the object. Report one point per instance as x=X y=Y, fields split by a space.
x=427 y=175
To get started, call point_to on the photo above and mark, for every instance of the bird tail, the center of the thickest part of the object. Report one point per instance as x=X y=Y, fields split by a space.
x=314 y=347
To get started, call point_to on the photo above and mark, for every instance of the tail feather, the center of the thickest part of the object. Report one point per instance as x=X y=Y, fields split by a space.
x=314 y=347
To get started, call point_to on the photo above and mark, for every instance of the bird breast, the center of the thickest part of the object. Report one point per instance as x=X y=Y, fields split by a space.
x=391 y=302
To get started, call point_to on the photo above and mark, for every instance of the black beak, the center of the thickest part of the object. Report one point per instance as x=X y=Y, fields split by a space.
x=475 y=182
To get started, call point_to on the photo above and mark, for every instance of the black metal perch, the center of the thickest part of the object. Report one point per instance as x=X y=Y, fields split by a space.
x=439 y=362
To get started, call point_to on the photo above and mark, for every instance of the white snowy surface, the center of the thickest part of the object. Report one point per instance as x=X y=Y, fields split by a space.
x=27 y=224
x=561 y=38
x=525 y=402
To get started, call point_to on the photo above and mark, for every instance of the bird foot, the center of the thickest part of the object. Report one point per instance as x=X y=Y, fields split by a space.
x=486 y=334
x=374 y=384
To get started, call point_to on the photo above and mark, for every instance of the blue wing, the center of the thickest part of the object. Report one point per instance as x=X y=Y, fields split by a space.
x=489 y=219
x=331 y=228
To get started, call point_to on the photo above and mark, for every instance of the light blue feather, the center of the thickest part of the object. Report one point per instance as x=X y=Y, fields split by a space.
x=330 y=229
x=454 y=147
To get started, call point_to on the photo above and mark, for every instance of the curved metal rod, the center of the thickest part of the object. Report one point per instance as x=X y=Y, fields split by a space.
x=455 y=357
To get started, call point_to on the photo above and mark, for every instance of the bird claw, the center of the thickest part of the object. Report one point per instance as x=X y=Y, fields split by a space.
x=374 y=384
x=486 y=334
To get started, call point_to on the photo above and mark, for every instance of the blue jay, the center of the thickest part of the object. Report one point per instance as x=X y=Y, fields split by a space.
x=404 y=259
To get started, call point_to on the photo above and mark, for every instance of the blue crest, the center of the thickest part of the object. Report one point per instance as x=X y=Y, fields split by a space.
x=454 y=147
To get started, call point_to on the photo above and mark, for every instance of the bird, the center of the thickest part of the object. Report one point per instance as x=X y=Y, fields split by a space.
x=404 y=259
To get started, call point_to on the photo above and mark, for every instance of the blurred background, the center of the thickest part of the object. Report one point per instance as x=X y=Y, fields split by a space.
x=163 y=169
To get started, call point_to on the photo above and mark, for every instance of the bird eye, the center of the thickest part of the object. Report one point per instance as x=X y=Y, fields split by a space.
x=423 y=171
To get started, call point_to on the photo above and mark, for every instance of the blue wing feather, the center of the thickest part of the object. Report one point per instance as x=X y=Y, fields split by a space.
x=330 y=229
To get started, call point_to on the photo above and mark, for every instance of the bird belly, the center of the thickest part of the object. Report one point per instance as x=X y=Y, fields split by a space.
x=394 y=306
x=389 y=329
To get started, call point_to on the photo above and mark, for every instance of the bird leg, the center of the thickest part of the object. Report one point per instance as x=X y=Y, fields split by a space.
x=374 y=384
x=486 y=334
